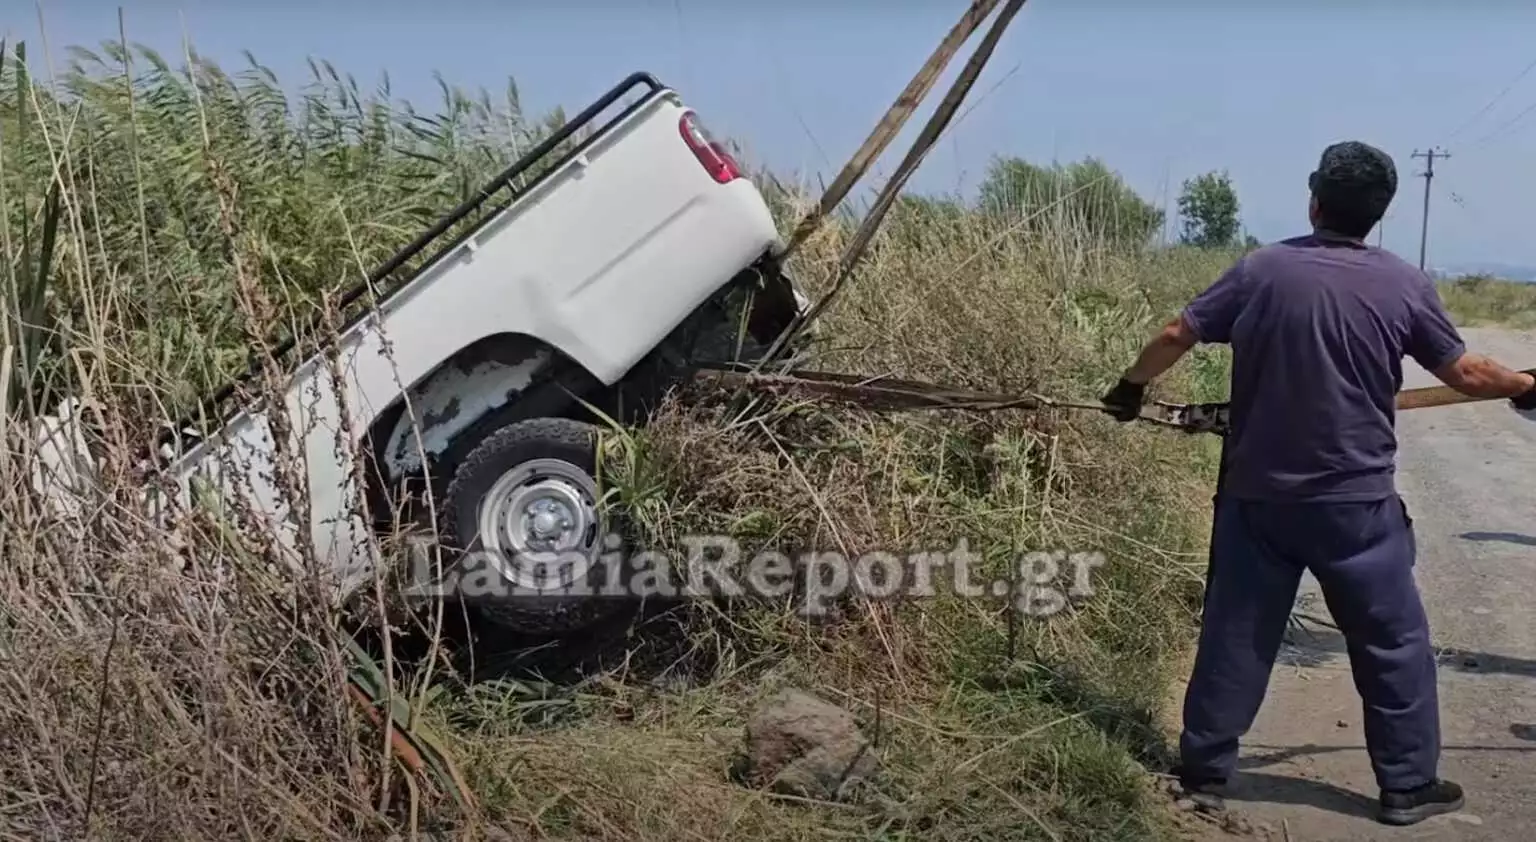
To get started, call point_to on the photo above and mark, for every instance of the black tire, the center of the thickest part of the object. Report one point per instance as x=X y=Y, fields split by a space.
x=502 y=454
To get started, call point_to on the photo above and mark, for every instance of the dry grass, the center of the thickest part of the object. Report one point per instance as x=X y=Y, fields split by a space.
x=159 y=684
x=1480 y=300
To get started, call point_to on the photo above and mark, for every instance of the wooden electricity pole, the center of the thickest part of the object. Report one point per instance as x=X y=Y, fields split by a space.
x=1429 y=175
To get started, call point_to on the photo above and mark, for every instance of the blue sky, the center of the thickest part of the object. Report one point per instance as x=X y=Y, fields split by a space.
x=1159 y=90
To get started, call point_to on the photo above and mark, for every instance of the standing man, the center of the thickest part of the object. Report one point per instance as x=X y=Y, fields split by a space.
x=1319 y=325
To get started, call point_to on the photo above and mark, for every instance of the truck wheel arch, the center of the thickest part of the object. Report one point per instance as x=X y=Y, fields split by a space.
x=475 y=382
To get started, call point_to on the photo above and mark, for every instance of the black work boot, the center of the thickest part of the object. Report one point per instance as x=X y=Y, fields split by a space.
x=1415 y=805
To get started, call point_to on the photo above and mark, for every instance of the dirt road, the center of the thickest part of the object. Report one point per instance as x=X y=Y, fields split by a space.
x=1468 y=474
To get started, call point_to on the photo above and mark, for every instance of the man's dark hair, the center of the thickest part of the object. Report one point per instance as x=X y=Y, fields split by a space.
x=1354 y=183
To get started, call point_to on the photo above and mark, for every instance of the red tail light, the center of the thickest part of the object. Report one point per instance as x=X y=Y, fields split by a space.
x=718 y=162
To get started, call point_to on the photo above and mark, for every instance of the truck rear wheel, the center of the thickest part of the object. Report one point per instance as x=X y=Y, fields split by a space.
x=522 y=515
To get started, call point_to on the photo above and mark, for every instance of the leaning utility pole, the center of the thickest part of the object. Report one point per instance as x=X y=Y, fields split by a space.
x=1429 y=175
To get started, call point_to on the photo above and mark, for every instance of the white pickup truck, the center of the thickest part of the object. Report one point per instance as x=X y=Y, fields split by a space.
x=605 y=278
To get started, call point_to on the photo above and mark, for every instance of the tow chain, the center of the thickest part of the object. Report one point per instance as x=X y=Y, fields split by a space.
x=894 y=394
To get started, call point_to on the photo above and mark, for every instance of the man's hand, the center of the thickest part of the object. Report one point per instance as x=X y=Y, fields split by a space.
x=1123 y=403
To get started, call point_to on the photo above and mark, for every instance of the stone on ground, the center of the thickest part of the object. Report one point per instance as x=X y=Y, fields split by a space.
x=800 y=745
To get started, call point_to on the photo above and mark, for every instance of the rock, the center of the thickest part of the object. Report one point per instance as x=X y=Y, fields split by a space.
x=797 y=744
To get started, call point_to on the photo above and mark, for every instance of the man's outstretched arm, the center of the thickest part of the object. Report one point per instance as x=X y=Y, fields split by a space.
x=1208 y=318
x=1157 y=356
x=1436 y=344
x=1161 y=352
x=1480 y=376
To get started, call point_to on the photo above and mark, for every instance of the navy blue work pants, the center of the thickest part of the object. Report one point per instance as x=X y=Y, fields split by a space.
x=1362 y=555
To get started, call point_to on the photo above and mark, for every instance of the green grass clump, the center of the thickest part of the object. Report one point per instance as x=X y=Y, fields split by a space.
x=152 y=696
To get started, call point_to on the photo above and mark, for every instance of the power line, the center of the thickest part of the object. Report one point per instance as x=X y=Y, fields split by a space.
x=1429 y=175
x=1510 y=122
x=1492 y=102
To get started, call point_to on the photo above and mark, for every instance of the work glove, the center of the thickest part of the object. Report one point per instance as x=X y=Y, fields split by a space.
x=1123 y=403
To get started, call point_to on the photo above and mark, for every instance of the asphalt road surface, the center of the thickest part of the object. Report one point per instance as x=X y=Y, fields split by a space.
x=1468 y=474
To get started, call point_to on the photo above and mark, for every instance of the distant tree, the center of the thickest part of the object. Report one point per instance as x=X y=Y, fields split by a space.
x=1085 y=196
x=1209 y=208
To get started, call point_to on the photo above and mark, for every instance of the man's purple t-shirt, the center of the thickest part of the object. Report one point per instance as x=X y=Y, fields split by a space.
x=1319 y=326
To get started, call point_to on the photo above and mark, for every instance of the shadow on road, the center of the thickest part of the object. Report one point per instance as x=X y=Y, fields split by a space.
x=1312 y=642
x=1501 y=537
x=1284 y=754
x=1266 y=788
